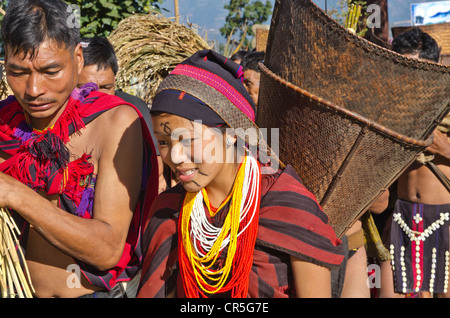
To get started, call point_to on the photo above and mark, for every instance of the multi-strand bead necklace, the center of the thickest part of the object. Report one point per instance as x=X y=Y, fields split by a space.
x=201 y=243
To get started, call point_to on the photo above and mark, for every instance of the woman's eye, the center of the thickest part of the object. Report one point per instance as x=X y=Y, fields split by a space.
x=162 y=143
x=187 y=142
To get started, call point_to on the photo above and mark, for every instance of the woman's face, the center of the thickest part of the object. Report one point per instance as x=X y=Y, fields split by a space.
x=197 y=154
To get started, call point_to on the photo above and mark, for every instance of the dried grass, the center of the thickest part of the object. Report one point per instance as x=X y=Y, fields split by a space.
x=4 y=88
x=148 y=47
x=15 y=281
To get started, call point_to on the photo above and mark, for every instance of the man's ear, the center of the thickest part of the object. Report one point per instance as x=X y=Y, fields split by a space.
x=78 y=55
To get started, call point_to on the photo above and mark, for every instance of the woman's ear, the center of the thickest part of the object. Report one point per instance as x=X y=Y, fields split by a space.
x=230 y=140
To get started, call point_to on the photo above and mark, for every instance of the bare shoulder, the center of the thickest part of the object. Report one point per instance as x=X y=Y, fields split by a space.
x=119 y=122
x=120 y=116
x=116 y=129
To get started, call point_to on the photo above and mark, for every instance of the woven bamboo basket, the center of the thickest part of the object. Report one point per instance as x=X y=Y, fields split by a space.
x=445 y=59
x=352 y=115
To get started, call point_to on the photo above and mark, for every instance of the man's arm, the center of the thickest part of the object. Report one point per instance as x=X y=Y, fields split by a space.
x=380 y=204
x=440 y=145
x=99 y=241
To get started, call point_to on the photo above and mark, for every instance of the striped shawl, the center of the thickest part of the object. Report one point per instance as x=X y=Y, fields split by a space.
x=291 y=222
x=74 y=181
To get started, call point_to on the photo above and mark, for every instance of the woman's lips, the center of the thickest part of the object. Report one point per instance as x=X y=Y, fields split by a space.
x=186 y=175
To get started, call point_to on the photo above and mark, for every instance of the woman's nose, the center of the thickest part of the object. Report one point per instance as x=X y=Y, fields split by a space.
x=179 y=154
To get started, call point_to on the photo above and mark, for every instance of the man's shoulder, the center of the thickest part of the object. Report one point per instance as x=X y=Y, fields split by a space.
x=107 y=111
x=138 y=103
x=99 y=102
x=131 y=99
x=141 y=106
x=119 y=115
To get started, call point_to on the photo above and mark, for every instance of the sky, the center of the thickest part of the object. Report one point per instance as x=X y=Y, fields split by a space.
x=210 y=14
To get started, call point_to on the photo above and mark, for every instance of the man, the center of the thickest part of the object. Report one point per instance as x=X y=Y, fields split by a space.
x=101 y=67
x=238 y=56
x=252 y=74
x=76 y=163
x=352 y=281
x=419 y=231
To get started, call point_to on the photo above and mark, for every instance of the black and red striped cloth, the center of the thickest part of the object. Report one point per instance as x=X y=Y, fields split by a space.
x=291 y=222
x=40 y=160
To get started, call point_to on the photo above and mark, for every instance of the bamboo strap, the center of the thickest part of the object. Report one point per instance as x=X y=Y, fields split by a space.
x=439 y=174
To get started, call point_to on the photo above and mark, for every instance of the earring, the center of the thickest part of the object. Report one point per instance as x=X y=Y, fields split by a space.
x=229 y=142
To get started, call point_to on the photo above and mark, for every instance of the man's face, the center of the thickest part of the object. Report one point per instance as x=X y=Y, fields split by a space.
x=104 y=78
x=42 y=85
x=251 y=83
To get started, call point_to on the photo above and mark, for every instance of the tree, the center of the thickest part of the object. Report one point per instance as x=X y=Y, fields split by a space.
x=242 y=15
x=100 y=17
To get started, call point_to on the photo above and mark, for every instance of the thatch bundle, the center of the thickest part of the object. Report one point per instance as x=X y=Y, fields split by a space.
x=14 y=277
x=4 y=88
x=148 y=47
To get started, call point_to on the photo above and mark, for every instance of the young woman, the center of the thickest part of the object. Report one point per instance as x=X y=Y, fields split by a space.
x=229 y=228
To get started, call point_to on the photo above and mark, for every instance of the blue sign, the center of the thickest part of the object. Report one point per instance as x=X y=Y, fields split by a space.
x=430 y=12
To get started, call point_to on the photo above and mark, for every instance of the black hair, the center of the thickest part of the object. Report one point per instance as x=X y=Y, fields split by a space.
x=416 y=41
x=99 y=51
x=28 y=23
x=239 y=55
x=251 y=60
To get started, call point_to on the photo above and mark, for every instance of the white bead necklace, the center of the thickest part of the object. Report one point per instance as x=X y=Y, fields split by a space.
x=203 y=233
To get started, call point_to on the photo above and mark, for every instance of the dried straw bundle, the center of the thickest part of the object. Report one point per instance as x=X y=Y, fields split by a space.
x=148 y=47
x=15 y=281
x=4 y=88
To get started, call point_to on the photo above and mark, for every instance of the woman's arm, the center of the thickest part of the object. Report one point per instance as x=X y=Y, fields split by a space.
x=310 y=280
